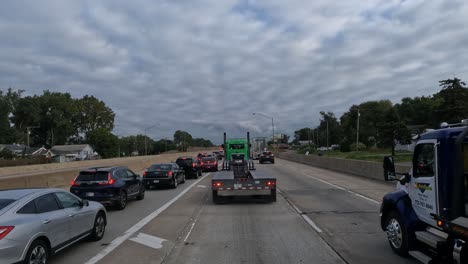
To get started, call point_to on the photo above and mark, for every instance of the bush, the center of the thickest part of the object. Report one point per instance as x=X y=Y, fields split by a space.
x=7 y=154
x=361 y=146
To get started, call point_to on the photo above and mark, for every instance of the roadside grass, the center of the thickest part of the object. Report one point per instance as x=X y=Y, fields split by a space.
x=375 y=155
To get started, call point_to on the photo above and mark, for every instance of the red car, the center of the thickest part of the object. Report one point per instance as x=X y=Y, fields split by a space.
x=209 y=164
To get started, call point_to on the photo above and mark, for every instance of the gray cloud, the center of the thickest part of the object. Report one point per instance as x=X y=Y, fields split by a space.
x=205 y=66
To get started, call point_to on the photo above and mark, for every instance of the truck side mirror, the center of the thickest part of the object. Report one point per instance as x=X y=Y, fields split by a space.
x=389 y=168
x=222 y=145
x=405 y=178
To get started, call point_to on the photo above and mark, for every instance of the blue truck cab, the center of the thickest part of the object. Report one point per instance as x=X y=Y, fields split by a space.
x=426 y=217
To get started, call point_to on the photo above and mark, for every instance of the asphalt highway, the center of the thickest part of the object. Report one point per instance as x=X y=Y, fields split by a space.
x=320 y=217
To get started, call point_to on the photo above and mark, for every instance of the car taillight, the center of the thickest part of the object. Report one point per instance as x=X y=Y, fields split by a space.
x=74 y=183
x=217 y=184
x=169 y=174
x=109 y=181
x=201 y=163
x=4 y=230
x=145 y=174
x=194 y=165
x=270 y=183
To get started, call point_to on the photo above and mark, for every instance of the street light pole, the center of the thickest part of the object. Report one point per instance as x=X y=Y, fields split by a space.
x=357 y=129
x=272 y=127
x=145 y=129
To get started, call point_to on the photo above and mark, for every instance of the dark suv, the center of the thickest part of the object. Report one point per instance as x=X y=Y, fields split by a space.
x=266 y=156
x=190 y=165
x=108 y=185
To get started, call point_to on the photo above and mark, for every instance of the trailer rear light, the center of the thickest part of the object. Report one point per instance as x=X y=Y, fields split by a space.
x=217 y=184
x=270 y=183
x=4 y=230
x=169 y=174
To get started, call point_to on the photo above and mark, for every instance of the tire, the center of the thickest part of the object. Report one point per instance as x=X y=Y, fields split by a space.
x=273 y=196
x=273 y=162
x=183 y=179
x=397 y=234
x=99 y=227
x=39 y=250
x=122 y=202
x=141 y=195
x=174 y=184
x=216 y=198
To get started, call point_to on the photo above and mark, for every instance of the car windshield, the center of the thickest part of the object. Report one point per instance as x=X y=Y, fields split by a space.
x=208 y=159
x=236 y=146
x=92 y=176
x=162 y=167
x=5 y=202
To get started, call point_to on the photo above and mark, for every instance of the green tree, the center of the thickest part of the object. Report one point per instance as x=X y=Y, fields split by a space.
x=302 y=134
x=328 y=122
x=92 y=113
x=182 y=139
x=392 y=130
x=104 y=142
x=201 y=142
x=454 y=95
x=8 y=100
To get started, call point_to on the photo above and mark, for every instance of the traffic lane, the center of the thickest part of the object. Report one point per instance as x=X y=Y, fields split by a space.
x=349 y=223
x=371 y=188
x=243 y=231
x=118 y=222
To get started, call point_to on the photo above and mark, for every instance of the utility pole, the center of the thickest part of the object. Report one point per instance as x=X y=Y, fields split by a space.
x=357 y=130
x=327 y=134
x=28 y=132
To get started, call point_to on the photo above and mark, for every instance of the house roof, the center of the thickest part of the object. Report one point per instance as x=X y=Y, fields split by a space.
x=68 y=149
x=14 y=147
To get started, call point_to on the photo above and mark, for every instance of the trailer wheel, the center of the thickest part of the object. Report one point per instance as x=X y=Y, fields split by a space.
x=273 y=195
x=397 y=233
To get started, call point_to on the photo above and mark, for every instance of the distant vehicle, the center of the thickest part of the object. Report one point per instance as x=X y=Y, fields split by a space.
x=218 y=155
x=238 y=177
x=209 y=164
x=190 y=165
x=258 y=146
x=266 y=156
x=38 y=223
x=112 y=186
x=164 y=174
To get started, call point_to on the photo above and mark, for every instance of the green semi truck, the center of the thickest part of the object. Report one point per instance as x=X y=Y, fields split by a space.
x=238 y=176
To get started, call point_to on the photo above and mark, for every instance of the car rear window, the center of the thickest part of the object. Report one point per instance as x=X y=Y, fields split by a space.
x=5 y=202
x=208 y=159
x=92 y=176
x=266 y=153
x=164 y=167
x=186 y=161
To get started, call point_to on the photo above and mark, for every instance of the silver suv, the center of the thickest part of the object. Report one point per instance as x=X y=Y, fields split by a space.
x=38 y=223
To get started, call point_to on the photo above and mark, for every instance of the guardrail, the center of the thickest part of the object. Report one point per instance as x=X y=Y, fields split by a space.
x=368 y=169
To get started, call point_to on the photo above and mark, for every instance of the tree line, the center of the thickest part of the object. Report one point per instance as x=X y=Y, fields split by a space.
x=55 y=118
x=383 y=124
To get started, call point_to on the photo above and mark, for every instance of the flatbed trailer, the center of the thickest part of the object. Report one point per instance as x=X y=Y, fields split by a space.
x=238 y=176
x=257 y=183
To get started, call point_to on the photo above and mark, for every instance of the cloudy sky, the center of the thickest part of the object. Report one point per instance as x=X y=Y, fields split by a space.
x=205 y=66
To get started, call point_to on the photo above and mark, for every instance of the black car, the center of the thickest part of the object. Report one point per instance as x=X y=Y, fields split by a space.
x=266 y=156
x=190 y=165
x=108 y=185
x=163 y=174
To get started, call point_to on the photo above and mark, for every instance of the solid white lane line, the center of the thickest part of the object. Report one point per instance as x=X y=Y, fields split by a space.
x=193 y=224
x=132 y=230
x=311 y=223
x=343 y=189
x=149 y=241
